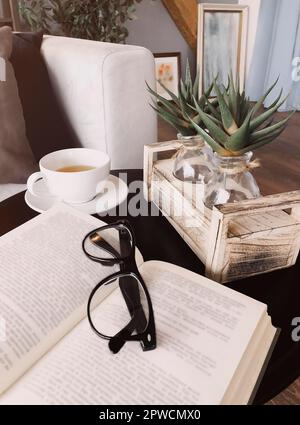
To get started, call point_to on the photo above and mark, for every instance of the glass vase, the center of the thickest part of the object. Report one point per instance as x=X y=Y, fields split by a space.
x=232 y=181
x=194 y=161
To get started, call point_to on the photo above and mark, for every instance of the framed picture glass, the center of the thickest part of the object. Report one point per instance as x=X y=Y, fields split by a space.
x=222 y=43
x=168 y=72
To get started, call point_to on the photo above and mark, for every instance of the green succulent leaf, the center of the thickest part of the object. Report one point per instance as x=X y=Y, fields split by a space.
x=258 y=121
x=261 y=143
x=271 y=136
x=215 y=131
x=260 y=102
x=209 y=140
x=167 y=119
x=276 y=100
x=240 y=138
x=171 y=106
x=227 y=118
x=233 y=97
x=270 y=129
x=183 y=90
x=213 y=111
x=185 y=131
x=185 y=110
x=171 y=94
x=196 y=119
x=245 y=108
x=208 y=91
x=188 y=78
x=216 y=121
x=163 y=99
x=170 y=115
x=196 y=85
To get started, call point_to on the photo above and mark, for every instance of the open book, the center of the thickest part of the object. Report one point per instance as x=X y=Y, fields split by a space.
x=212 y=341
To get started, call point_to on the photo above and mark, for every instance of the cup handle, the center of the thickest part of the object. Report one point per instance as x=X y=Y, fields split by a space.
x=31 y=182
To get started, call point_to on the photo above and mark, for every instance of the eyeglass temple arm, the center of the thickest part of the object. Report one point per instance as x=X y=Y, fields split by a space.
x=132 y=298
x=119 y=340
x=131 y=292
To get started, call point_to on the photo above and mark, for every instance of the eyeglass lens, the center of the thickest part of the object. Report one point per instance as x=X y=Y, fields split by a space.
x=128 y=303
x=112 y=243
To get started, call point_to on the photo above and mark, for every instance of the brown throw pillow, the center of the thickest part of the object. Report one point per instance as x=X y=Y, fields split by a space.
x=16 y=158
x=47 y=128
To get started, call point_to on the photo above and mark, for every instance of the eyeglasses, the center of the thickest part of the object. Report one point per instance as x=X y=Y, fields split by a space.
x=115 y=245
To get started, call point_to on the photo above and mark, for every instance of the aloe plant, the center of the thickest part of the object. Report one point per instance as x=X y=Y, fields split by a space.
x=233 y=125
x=180 y=110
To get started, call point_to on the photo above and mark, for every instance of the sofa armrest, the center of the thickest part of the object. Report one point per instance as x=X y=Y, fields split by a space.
x=102 y=90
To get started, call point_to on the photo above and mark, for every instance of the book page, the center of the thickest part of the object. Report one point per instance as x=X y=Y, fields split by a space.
x=45 y=282
x=203 y=330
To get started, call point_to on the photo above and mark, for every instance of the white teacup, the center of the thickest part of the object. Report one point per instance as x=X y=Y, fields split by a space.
x=73 y=185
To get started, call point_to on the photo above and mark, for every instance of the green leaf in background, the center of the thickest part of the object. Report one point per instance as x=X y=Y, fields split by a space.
x=100 y=20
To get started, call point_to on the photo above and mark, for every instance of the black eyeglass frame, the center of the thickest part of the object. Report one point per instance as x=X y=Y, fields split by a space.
x=128 y=268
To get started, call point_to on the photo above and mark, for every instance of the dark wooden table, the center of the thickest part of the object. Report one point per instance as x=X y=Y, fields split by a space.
x=157 y=240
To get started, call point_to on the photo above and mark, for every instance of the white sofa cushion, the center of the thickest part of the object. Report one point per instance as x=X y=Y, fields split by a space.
x=102 y=90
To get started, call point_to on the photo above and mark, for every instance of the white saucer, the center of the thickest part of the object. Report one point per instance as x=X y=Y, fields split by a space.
x=115 y=192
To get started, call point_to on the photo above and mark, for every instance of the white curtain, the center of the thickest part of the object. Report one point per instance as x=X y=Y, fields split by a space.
x=284 y=56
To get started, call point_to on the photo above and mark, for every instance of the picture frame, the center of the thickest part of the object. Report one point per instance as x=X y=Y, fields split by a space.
x=222 y=43
x=168 y=71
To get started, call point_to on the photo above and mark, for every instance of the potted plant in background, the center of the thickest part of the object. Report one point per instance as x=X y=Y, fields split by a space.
x=194 y=160
x=234 y=128
x=100 y=20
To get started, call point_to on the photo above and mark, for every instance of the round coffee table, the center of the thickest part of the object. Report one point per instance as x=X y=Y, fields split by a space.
x=157 y=240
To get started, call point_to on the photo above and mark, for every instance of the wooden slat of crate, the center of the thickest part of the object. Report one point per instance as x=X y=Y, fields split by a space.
x=260 y=253
x=260 y=222
x=192 y=230
x=232 y=258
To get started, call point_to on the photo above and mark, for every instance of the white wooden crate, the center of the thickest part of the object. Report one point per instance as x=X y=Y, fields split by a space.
x=235 y=240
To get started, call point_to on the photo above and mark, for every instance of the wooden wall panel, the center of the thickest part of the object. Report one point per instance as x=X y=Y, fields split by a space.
x=185 y=16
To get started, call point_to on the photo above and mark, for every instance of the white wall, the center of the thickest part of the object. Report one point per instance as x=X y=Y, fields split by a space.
x=261 y=26
x=254 y=9
x=155 y=29
x=219 y=1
